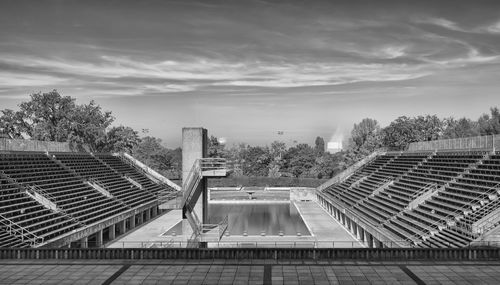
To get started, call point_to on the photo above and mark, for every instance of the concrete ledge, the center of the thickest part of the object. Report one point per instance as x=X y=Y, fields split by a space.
x=384 y=254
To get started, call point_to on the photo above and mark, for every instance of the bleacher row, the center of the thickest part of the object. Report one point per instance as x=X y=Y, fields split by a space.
x=62 y=179
x=462 y=188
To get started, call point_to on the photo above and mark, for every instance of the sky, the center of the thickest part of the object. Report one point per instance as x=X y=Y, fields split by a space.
x=246 y=70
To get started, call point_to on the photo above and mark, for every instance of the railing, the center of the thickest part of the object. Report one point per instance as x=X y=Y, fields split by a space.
x=150 y=173
x=17 y=230
x=209 y=232
x=248 y=242
x=208 y=164
x=41 y=196
x=97 y=185
x=422 y=195
x=491 y=142
x=487 y=212
x=192 y=180
x=34 y=189
x=456 y=215
x=350 y=170
x=383 y=184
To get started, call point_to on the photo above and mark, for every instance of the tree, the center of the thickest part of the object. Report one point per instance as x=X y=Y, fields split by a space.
x=166 y=161
x=215 y=148
x=299 y=160
x=11 y=124
x=121 y=139
x=319 y=146
x=88 y=126
x=489 y=124
x=461 y=128
x=46 y=116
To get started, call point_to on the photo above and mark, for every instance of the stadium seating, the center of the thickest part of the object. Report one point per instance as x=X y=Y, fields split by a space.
x=91 y=168
x=69 y=199
x=119 y=165
x=461 y=188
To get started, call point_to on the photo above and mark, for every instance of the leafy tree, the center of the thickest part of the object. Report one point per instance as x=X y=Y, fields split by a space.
x=88 y=126
x=121 y=139
x=299 y=160
x=255 y=161
x=461 y=128
x=319 y=146
x=166 y=161
x=47 y=116
x=11 y=124
x=215 y=148
x=489 y=124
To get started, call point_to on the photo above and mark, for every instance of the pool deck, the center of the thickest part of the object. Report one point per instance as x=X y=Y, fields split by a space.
x=152 y=231
x=323 y=226
x=325 y=232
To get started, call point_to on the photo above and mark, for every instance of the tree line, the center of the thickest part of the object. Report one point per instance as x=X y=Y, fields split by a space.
x=52 y=117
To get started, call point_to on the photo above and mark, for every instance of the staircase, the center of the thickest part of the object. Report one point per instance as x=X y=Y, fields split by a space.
x=204 y=167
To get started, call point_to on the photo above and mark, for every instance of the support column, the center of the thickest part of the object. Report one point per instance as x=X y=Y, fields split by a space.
x=140 y=218
x=343 y=219
x=122 y=227
x=148 y=215
x=98 y=238
x=132 y=222
x=84 y=242
x=361 y=232
x=370 y=240
x=155 y=212
x=354 y=229
x=111 y=232
x=194 y=147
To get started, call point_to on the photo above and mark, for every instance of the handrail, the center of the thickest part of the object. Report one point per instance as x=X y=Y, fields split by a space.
x=455 y=214
x=13 y=227
x=132 y=161
x=424 y=189
x=36 y=189
x=469 y=143
x=350 y=170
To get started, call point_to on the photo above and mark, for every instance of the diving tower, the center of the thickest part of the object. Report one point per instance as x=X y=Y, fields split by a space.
x=196 y=169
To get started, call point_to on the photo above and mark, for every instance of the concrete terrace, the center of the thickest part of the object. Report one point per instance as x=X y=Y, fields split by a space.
x=245 y=272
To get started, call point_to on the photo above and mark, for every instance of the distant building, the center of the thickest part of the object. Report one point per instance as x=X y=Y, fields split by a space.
x=333 y=147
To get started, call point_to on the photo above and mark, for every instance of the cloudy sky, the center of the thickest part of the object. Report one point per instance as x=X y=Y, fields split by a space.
x=247 y=69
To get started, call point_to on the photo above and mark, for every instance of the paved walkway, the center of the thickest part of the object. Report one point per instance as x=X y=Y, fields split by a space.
x=245 y=272
x=149 y=232
x=324 y=227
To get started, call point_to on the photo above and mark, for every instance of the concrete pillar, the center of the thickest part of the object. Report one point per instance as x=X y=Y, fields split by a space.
x=361 y=234
x=195 y=146
x=343 y=219
x=84 y=242
x=98 y=238
x=140 y=218
x=132 y=222
x=369 y=237
x=148 y=215
x=122 y=227
x=155 y=212
x=111 y=232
